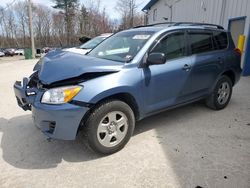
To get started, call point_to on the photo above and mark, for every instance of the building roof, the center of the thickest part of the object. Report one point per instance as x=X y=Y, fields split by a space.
x=150 y=4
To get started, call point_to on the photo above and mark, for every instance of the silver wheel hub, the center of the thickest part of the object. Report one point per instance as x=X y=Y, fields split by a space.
x=223 y=93
x=112 y=129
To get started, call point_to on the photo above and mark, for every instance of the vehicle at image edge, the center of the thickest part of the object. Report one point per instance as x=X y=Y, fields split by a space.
x=89 y=45
x=131 y=75
x=2 y=54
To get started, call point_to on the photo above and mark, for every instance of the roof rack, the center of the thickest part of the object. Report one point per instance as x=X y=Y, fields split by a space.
x=161 y=23
x=182 y=23
x=197 y=23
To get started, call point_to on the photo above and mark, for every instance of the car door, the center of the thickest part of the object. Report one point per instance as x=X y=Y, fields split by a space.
x=208 y=62
x=168 y=84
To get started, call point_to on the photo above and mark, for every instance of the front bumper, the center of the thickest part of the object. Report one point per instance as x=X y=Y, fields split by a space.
x=55 y=121
x=58 y=121
x=23 y=100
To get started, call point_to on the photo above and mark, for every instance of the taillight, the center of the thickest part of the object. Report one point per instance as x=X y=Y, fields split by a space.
x=238 y=51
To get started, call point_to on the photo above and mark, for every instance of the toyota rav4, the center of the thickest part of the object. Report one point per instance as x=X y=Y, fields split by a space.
x=131 y=75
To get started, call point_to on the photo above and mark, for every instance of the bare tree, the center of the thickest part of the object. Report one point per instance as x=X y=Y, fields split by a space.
x=68 y=8
x=11 y=27
x=42 y=22
x=58 y=25
x=127 y=9
x=53 y=27
x=94 y=20
x=83 y=19
x=21 y=12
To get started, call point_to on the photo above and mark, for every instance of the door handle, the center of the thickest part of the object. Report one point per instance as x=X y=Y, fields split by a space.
x=186 y=67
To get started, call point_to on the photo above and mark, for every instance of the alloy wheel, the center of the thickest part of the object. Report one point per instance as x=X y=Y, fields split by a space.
x=112 y=129
x=223 y=93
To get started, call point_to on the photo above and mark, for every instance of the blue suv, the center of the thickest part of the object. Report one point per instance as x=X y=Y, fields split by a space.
x=131 y=75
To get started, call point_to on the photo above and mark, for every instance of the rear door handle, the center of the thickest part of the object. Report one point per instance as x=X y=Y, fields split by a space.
x=186 y=67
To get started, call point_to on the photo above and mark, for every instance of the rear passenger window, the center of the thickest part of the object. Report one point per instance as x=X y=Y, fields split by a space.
x=220 y=40
x=200 y=42
x=173 y=46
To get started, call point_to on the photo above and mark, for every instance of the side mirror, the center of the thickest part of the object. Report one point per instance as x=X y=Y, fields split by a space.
x=156 y=59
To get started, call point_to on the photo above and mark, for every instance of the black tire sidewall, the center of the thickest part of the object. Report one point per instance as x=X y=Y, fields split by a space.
x=96 y=116
x=223 y=79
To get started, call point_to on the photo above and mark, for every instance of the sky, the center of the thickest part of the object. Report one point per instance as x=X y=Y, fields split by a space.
x=108 y=4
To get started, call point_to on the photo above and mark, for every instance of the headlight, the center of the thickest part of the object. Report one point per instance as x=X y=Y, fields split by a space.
x=60 y=95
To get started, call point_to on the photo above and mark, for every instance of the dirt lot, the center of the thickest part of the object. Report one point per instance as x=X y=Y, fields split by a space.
x=186 y=147
x=11 y=59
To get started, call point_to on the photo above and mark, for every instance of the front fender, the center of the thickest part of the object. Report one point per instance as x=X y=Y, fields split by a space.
x=99 y=95
x=102 y=87
x=113 y=91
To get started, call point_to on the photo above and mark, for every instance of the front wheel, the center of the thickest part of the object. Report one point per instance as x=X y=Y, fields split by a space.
x=110 y=126
x=221 y=95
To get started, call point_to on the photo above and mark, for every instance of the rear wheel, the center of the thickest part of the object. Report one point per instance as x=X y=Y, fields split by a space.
x=221 y=95
x=110 y=126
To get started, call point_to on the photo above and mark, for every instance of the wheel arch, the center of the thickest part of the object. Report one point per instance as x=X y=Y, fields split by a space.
x=231 y=75
x=124 y=97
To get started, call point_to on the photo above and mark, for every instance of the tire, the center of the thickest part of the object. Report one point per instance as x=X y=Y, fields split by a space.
x=110 y=126
x=221 y=95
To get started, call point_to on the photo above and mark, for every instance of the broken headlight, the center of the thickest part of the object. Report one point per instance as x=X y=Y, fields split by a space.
x=60 y=95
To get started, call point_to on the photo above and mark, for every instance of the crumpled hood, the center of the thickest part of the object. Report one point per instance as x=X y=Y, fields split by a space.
x=61 y=65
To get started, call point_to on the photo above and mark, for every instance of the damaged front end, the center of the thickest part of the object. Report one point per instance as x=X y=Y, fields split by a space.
x=55 y=121
x=26 y=91
x=59 y=69
x=49 y=92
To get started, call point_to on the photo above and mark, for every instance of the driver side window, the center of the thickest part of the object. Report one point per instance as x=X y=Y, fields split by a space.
x=173 y=46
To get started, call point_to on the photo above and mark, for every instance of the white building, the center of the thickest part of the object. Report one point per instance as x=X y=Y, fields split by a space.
x=233 y=15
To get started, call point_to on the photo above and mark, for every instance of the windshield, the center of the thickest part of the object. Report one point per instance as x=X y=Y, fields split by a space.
x=92 y=43
x=122 y=46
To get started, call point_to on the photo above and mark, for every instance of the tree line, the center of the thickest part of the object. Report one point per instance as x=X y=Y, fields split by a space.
x=64 y=23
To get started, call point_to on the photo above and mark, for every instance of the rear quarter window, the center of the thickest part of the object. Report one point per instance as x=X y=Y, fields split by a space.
x=220 y=40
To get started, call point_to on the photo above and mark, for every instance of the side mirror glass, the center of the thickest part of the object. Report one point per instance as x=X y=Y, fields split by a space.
x=156 y=59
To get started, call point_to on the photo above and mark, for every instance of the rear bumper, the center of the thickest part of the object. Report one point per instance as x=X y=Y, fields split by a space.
x=58 y=121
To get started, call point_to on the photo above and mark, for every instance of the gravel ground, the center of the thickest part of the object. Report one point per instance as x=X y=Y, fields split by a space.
x=187 y=147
